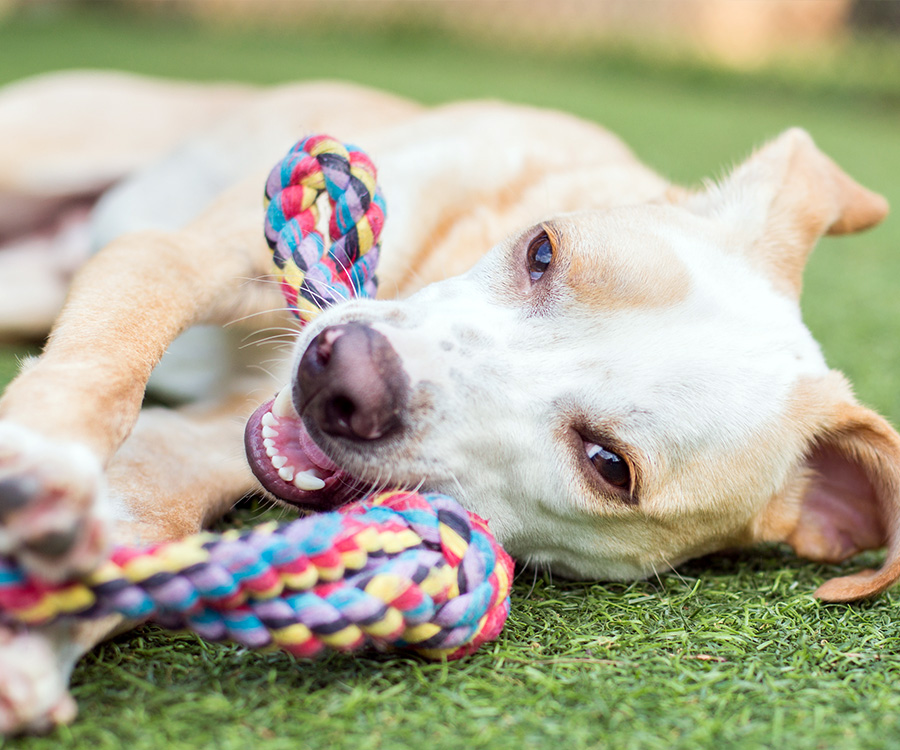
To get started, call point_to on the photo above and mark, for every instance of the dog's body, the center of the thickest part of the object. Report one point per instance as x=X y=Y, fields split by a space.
x=619 y=388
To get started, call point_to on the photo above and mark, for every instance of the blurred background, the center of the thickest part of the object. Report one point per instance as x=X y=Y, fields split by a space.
x=691 y=85
x=742 y=33
x=539 y=51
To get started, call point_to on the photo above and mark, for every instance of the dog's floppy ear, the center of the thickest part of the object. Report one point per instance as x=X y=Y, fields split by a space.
x=781 y=200
x=849 y=500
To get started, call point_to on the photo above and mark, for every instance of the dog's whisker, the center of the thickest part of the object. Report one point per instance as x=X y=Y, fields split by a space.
x=459 y=487
x=274 y=361
x=257 y=314
x=524 y=566
x=656 y=575
x=263 y=368
x=672 y=569
x=355 y=291
x=282 y=329
x=383 y=484
x=534 y=577
x=281 y=338
x=279 y=341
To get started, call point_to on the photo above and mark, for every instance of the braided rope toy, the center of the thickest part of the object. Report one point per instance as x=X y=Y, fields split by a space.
x=396 y=569
x=401 y=570
x=311 y=277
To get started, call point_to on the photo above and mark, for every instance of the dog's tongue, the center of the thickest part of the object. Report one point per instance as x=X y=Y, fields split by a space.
x=285 y=459
x=299 y=447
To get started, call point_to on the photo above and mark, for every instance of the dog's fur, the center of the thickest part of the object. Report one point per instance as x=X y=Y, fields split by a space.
x=666 y=330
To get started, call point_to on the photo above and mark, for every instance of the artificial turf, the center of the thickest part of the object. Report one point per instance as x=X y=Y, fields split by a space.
x=731 y=650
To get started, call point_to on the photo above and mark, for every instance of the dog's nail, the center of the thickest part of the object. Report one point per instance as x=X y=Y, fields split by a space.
x=16 y=492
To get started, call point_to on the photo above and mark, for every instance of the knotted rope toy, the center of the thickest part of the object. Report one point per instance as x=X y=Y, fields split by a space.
x=396 y=569
x=399 y=569
x=311 y=277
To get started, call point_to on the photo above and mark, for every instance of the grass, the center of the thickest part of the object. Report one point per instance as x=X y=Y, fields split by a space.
x=730 y=651
x=733 y=650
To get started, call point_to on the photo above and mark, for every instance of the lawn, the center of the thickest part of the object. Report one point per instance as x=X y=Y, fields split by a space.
x=730 y=651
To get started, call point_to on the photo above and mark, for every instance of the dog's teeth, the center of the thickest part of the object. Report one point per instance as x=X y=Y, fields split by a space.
x=268 y=432
x=268 y=443
x=272 y=452
x=286 y=473
x=269 y=420
x=284 y=405
x=306 y=480
x=278 y=461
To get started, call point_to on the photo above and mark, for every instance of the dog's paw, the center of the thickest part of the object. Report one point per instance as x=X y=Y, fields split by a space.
x=33 y=694
x=51 y=498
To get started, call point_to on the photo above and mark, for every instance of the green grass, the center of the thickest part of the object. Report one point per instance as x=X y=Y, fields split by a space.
x=731 y=651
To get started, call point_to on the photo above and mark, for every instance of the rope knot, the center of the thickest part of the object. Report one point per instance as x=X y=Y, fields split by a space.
x=311 y=277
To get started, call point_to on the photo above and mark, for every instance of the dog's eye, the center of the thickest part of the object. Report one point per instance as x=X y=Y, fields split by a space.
x=540 y=253
x=611 y=466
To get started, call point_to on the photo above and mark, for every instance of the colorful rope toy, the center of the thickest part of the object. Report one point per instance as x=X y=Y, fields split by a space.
x=311 y=277
x=398 y=569
x=401 y=569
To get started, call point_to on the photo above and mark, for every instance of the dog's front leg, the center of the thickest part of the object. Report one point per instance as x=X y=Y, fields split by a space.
x=65 y=416
x=63 y=420
x=177 y=470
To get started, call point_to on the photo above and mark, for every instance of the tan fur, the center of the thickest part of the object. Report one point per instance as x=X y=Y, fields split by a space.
x=653 y=278
x=825 y=413
x=805 y=195
x=810 y=401
x=50 y=149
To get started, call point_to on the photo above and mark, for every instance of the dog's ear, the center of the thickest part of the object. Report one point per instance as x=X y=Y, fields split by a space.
x=779 y=202
x=847 y=499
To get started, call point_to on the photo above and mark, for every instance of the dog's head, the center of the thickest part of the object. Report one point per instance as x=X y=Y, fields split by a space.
x=616 y=391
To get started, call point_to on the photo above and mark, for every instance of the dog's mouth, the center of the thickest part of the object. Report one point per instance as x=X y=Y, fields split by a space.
x=288 y=463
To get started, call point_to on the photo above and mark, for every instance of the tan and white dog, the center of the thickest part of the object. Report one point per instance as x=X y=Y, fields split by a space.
x=613 y=370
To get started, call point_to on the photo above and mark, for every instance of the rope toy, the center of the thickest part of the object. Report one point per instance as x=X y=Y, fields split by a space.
x=397 y=569
x=401 y=569
x=311 y=277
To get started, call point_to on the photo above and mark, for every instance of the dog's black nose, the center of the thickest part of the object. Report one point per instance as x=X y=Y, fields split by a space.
x=351 y=382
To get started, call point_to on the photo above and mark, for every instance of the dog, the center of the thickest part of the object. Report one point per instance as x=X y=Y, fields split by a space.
x=610 y=368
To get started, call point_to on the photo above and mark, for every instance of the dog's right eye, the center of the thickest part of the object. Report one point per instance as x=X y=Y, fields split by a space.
x=540 y=253
x=611 y=466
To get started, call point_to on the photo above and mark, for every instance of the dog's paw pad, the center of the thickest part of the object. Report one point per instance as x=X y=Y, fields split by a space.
x=51 y=496
x=33 y=695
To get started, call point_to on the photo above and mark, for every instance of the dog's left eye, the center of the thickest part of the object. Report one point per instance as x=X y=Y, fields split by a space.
x=611 y=466
x=540 y=253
